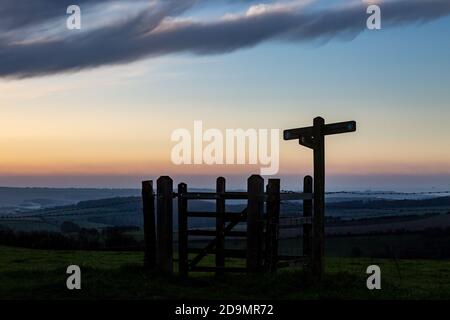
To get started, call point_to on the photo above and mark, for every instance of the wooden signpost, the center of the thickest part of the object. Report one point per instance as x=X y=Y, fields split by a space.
x=314 y=138
x=262 y=234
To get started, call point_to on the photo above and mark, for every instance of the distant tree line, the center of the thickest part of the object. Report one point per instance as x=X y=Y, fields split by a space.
x=432 y=243
x=73 y=238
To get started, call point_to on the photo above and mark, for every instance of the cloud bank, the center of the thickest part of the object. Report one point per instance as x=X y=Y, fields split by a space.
x=162 y=28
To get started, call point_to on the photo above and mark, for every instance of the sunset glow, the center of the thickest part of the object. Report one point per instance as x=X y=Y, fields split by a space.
x=117 y=120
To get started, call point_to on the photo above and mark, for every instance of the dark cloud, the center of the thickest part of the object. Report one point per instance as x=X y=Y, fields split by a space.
x=137 y=37
x=15 y=14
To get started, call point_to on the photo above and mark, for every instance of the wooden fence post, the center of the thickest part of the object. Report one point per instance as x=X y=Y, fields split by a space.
x=182 y=231
x=255 y=208
x=319 y=198
x=165 y=225
x=148 y=210
x=273 y=214
x=220 y=225
x=307 y=213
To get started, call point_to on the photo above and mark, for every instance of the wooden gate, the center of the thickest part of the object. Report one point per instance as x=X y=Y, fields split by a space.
x=261 y=216
x=225 y=223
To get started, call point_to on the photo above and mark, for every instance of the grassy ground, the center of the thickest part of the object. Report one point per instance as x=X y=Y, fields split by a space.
x=39 y=274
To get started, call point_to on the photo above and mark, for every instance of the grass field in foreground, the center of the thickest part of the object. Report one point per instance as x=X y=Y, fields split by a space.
x=40 y=274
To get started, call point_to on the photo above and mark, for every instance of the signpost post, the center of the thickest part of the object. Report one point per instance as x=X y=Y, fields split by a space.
x=314 y=138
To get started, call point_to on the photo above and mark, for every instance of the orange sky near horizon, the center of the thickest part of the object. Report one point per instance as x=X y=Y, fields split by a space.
x=118 y=120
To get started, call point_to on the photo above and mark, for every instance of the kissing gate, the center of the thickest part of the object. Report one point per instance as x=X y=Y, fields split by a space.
x=261 y=215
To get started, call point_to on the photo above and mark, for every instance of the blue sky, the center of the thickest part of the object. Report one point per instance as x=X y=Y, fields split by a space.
x=112 y=123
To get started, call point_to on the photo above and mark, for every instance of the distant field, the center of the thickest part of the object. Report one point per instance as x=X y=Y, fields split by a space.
x=39 y=274
x=346 y=217
x=18 y=199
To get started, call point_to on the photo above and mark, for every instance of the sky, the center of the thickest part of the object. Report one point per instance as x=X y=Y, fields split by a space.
x=97 y=106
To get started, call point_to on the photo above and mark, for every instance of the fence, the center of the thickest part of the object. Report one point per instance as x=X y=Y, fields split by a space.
x=261 y=216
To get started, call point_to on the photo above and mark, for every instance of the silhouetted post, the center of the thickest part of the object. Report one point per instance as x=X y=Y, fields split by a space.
x=220 y=225
x=255 y=207
x=307 y=213
x=314 y=138
x=182 y=231
x=165 y=225
x=319 y=197
x=148 y=210
x=273 y=214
